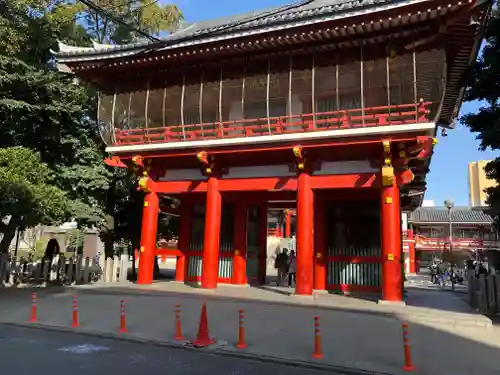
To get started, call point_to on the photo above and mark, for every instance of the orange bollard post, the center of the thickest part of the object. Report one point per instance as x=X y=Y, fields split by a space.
x=178 y=326
x=33 y=317
x=408 y=366
x=318 y=354
x=123 y=318
x=75 y=322
x=241 y=330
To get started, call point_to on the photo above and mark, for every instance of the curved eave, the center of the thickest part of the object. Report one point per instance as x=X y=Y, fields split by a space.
x=366 y=20
x=420 y=183
x=464 y=41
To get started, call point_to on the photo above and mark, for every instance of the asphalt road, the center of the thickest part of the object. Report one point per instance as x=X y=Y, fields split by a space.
x=32 y=351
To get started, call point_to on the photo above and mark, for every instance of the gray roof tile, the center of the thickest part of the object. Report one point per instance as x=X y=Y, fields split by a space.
x=440 y=215
x=300 y=10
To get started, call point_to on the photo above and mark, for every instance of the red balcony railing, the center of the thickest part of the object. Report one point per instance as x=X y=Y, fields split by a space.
x=439 y=244
x=343 y=119
x=274 y=232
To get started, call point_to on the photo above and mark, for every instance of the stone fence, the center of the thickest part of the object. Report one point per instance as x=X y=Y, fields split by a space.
x=61 y=270
x=484 y=293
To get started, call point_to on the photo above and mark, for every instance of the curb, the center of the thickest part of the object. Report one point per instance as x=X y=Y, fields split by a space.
x=334 y=370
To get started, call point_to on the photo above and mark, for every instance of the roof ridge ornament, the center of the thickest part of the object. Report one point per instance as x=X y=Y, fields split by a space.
x=67 y=48
x=100 y=46
x=183 y=26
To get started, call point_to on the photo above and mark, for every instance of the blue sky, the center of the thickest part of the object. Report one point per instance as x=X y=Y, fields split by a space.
x=448 y=175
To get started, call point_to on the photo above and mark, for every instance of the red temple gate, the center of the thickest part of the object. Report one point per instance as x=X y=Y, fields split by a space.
x=316 y=102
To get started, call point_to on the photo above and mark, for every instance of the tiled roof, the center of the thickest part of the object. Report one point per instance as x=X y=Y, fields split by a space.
x=286 y=13
x=268 y=19
x=440 y=215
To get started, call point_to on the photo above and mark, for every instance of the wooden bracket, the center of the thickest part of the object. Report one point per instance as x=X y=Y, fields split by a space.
x=387 y=169
x=209 y=167
x=146 y=184
x=300 y=157
x=138 y=160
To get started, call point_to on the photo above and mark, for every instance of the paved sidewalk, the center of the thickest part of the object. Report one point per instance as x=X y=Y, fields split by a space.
x=422 y=280
x=352 y=338
x=427 y=308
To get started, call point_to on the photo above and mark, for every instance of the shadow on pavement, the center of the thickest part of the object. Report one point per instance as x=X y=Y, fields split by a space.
x=437 y=300
x=351 y=338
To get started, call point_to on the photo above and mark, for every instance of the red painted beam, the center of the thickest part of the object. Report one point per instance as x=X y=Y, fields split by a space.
x=250 y=148
x=364 y=180
x=354 y=259
x=352 y=288
x=168 y=252
x=280 y=184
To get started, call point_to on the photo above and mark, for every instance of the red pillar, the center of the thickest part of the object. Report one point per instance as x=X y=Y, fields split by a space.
x=288 y=224
x=147 y=250
x=391 y=244
x=240 y=244
x=321 y=260
x=305 y=227
x=262 y=243
x=184 y=237
x=278 y=231
x=211 y=242
x=411 y=246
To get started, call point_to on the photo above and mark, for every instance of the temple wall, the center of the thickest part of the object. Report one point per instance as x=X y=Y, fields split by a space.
x=279 y=170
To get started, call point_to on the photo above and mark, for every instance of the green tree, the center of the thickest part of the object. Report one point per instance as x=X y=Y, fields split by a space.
x=27 y=194
x=30 y=28
x=76 y=240
x=148 y=16
x=484 y=86
x=44 y=111
x=122 y=202
x=123 y=206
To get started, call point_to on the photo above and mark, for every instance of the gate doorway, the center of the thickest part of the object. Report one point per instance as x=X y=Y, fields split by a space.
x=256 y=244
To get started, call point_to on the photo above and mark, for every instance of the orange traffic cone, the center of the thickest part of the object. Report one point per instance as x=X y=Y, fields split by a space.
x=203 y=337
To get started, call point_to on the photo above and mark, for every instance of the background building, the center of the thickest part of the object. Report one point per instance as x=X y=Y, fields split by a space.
x=33 y=241
x=478 y=182
x=472 y=230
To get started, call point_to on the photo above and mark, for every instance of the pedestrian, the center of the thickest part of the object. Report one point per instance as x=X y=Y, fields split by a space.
x=442 y=271
x=292 y=269
x=433 y=271
x=281 y=265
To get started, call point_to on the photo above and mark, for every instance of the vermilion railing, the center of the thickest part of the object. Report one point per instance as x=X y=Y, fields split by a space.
x=442 y=243
x=274 y=232
x=344 y=119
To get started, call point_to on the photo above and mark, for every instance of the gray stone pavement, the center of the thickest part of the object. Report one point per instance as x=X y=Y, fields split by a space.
x=422 y=280
x=353 y=336
x=29 y=351
x=422 y=307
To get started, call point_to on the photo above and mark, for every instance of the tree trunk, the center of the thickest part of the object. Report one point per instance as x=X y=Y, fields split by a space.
x=136 y=242
x=108 y=247
x=8 y=235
